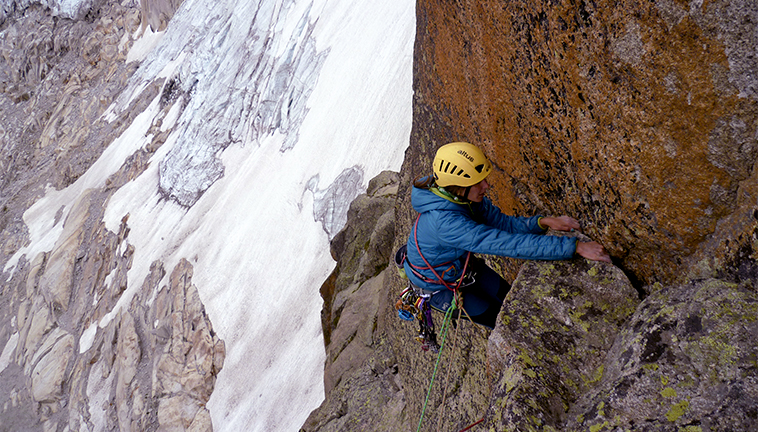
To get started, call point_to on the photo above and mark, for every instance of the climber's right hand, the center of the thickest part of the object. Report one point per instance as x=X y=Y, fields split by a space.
x=592 y=251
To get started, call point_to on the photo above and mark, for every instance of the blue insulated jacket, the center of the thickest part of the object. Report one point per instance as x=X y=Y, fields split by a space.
x=447 y=230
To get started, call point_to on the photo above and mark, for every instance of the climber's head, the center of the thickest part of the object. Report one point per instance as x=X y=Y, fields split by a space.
x=460 y=164
x=462 y=168
x=476 y=192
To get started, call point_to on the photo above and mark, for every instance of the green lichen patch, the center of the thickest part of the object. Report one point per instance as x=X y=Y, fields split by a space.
x=559 y=322
x=677 y=410
x=593 y=271
x=593 y=377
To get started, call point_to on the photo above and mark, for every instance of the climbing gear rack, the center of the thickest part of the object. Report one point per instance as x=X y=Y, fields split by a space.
x=412 y=306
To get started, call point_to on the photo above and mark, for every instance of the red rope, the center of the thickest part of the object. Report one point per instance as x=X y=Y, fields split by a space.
x=469 y=427
x=460 y=280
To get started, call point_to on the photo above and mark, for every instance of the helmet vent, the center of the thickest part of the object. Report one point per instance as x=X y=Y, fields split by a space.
x=479 y=168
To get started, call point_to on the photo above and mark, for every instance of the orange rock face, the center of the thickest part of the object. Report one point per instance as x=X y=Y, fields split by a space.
x=637 y=117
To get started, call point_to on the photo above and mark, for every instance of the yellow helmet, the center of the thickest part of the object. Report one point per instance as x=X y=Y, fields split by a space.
x=460 y=164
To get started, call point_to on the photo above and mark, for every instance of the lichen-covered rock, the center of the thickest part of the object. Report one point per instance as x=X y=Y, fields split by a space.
x=637 y=117
x=551 y=340
x=685 y=361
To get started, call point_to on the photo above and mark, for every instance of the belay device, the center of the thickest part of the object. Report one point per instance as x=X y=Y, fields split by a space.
x=413 y=304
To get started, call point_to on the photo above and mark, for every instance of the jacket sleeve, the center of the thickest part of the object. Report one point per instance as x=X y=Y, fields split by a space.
x=512 y=224
x=462 y=232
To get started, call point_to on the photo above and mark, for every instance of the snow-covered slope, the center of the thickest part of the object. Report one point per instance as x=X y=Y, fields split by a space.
x=284 y=110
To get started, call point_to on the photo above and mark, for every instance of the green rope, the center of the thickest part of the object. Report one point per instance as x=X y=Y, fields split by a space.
x=445 y=326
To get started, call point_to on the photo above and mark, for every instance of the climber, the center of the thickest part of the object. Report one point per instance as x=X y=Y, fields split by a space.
x=456 y=219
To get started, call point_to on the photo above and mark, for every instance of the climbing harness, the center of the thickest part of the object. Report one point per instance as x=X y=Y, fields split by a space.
x=414 y=304
x=467 y=279
x=440 y=280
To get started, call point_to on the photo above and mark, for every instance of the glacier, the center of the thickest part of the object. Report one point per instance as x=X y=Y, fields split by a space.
x=281 y=111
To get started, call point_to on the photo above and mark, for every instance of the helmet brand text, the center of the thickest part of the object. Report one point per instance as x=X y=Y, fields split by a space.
x=466 y=155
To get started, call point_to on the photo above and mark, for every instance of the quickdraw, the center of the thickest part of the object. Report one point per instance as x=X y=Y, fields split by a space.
x=412 y=306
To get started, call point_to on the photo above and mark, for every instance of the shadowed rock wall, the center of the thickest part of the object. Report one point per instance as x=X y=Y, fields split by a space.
x=637 y=117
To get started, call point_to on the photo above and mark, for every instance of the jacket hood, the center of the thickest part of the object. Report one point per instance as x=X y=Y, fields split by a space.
x=424 y=200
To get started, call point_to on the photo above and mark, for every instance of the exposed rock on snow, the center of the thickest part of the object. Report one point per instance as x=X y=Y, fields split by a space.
x=330 y=205
x=158 y=359
x=59 y=369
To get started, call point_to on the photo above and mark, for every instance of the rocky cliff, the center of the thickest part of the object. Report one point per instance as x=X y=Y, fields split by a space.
x=638 y=118
x=364 y=390
x=71 y=359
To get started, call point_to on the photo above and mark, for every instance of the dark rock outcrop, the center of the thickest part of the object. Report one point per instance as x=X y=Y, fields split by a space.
x=363 y=389
x=639 y=119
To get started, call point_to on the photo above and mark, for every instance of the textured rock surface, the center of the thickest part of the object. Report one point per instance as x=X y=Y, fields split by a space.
x=551 y=340
x=686 y=360
x=637 y=117
x=69 y=360
x=363 y=389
